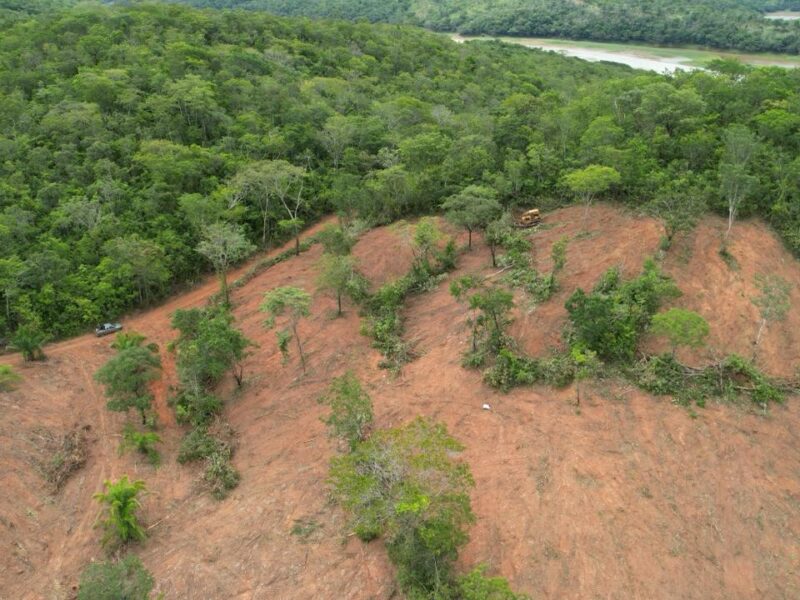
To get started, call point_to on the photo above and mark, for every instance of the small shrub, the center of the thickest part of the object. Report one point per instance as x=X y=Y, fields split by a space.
x=558 y=370
x=127 y=339
x=126 y=579
x=511 y=370
x=662 y=375
x=305 y=528
x=475 y=585
x=351 y=409
x=143 y=442
x=728 y=258
x=220 y=475
x=196 y=409
x=197 y=445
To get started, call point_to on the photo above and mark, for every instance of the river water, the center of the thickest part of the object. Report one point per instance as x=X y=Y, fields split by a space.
x=650 y=58
x=785 y=15
x=637 y=60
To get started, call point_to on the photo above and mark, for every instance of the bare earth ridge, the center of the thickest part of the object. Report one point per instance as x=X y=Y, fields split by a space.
x=628 y=498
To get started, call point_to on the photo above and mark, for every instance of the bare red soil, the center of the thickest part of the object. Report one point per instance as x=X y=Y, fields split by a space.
x=629 y=497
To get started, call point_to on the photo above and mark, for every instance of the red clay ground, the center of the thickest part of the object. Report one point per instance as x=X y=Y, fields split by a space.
x=629 y=498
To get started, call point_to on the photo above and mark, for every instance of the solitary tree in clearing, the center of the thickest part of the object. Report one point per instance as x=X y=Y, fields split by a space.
x=296 y=304
x=773 y=303
x=338 y=276
x=589 y=182
x=223 y=245
x=127 y=378
x=472 y=208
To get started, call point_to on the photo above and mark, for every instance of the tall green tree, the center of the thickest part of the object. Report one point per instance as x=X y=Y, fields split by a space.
x=735 y=181
x=473 y=208
x=127 y=377
x=295 y=304
x=223 y=245
x=143 y=261
x=338 y=276
x=589 y=182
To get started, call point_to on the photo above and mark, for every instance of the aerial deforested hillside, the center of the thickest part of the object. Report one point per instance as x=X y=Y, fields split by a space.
x=567 y=498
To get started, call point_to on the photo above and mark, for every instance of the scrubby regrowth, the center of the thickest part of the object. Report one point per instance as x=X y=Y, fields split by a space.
x=384 y=322
x=208 y=347
x=404 y=485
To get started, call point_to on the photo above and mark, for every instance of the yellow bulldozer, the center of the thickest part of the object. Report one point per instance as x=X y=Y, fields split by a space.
x=529 y=218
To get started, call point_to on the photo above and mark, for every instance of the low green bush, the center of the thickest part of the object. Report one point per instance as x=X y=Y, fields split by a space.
x=730 y=379
x=220 y=475
x=511 y=370
x=197 y=445
x=610 y=319
x=115 y=580
x=142 y=441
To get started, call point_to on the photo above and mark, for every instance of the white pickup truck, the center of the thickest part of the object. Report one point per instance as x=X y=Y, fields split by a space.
x=107 y=328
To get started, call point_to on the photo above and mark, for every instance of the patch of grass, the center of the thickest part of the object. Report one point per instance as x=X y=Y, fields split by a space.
x=305 y=528
x=728 y=258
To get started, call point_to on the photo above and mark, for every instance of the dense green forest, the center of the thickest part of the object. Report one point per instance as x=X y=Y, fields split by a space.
x=126 y=132
x=730 y=24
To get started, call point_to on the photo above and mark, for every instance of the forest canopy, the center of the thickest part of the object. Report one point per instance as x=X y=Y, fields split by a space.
x=730 y=24
x=126 y=132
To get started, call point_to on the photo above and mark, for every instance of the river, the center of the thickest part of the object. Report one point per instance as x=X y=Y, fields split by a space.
x=650 y=58
x=785 y=15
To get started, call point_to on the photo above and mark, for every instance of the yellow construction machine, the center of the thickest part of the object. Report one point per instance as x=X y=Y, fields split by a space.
x=529 y=218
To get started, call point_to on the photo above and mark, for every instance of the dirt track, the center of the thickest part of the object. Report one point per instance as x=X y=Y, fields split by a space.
x=629 y=498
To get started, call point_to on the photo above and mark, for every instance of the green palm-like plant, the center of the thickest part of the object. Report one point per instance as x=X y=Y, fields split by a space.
x=29 y=340
x=121 y=502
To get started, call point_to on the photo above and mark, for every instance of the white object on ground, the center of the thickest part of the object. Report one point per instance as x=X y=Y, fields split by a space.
x=487 y=407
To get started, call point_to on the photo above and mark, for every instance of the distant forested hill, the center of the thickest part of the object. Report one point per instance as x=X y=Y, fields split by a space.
x=731 y=24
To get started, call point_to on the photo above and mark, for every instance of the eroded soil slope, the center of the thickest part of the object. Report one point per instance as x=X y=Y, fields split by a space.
x=627 y=498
